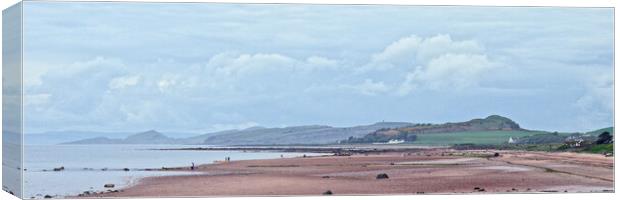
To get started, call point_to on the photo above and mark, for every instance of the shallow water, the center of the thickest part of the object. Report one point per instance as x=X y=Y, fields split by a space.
x=39 y=161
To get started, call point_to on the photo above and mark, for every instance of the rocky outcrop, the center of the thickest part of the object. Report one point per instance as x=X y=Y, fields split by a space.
x=382 y=176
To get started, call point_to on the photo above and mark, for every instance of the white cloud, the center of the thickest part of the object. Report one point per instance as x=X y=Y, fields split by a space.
x=277 y=74
x=123 y=82
x=232 y=74
x=231 y=64
x=405 y=47
x=449 y=71
x=35 y=70
x=317 y=62
x=179 y=82
x=443 y=44
x=368 y=87
x=598 y=95
x=236 y=65
x=437 y=62
x=414 y=50
x=165 y=83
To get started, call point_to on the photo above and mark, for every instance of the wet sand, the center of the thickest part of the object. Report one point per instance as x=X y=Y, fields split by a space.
x=436 y=171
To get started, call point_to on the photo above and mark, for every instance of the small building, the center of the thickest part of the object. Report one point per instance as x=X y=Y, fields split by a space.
x=511 y=140
x=394 y=141
x=574 y=141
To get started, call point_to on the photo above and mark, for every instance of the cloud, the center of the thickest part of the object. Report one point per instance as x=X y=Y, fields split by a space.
x=599 y=93
x=318 y=63
x=368 y=87
x=123 y=82
x=36 y=100
x=232 y=64
x=79 y=86
x=234 y=74
x=238 y=64
x=239 y=126
x=414 y=50
x=168 y=82
x=433 y=63
x=98 y=63
x=449 y=71
x=325 y=68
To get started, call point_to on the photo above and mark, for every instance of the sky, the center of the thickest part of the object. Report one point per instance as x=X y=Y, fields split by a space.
x=208 y=67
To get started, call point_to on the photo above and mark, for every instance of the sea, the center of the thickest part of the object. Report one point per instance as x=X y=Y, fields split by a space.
x=90 y=167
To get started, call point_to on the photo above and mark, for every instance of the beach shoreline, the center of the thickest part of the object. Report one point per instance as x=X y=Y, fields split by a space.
x=420 y=171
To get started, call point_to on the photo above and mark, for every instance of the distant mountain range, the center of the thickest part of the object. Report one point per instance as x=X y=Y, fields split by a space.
x=57 y=137
x=148 y=137
x=314 y=134
x=318 y=134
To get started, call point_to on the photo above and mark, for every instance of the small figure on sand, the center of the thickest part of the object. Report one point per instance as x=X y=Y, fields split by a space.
x=193 y=167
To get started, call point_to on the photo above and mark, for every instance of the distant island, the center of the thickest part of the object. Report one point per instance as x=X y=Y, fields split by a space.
x=493 y=129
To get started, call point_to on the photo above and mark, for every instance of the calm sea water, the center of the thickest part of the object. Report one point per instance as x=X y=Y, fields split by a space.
x=74 y=158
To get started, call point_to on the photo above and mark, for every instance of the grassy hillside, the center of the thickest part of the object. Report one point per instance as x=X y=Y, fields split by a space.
x=493 y=129
x=600 y=148
x=599 y=131
x=474 y=137
x=490 y=123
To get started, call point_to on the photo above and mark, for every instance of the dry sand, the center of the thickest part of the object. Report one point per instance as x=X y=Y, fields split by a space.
x=430 y=171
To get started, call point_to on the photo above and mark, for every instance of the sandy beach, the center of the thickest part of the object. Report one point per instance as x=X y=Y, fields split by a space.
x=432 y=171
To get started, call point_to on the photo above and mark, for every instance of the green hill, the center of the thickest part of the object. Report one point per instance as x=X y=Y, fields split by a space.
x=599 y=131
x=493 y=129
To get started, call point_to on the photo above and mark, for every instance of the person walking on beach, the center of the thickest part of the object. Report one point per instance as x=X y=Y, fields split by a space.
x=193 y=167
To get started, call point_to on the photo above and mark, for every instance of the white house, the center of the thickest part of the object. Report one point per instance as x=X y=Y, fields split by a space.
x=396 y=141
x=511 y=141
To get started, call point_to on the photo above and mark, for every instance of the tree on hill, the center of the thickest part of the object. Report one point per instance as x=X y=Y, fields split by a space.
x=604 y=138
